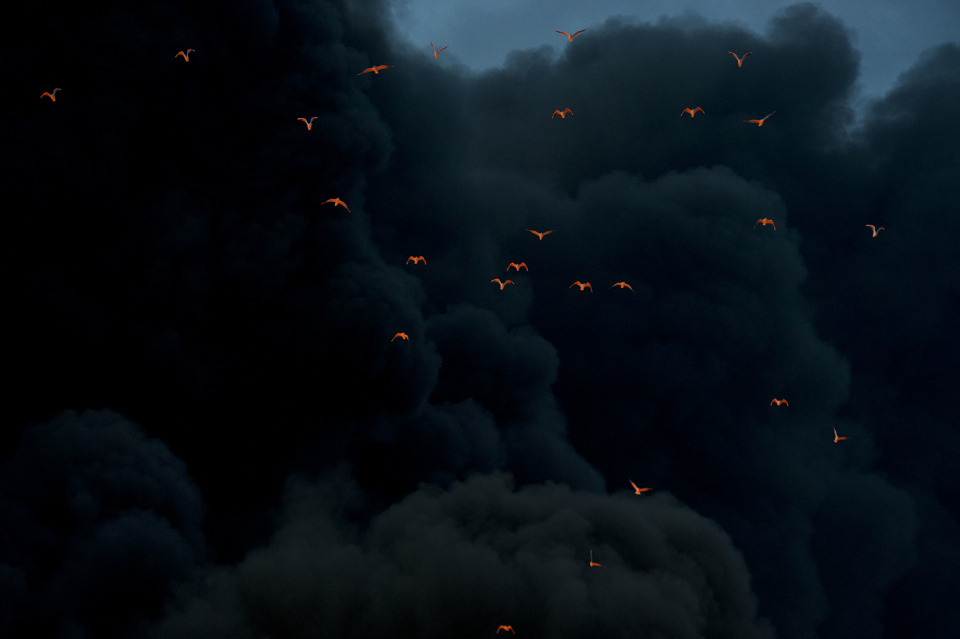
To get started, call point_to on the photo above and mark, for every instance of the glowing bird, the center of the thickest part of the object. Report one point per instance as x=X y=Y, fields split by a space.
x=517 y=266
x=417 y=259
x=761 y=120
x=692 y=112
x=779 y=401
x=639 y=491
x=764 y=221
x=436 y=54
x=570 y=37
x=502 y=627
x=562 y=114
x=403 y=336
x=184 y=54
x=337 y=202
x=836 y=437
x=740 y=58
x=582 y=286
x=622 y=285
x=538 y=233
x=52 y=96
x=377 y=69
x=594 y=564
x=502 y=284
x=309 y=122
x=875 y=229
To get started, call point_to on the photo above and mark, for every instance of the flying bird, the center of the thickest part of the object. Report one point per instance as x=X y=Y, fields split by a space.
x=593 y=564
x=740 y=58
x=836 y=437
x=538 y=233
x=309 y=122
x=337 y=202
x=779 y=401
x=639 y=491
x=517 y=266
x=436 y=54
x=764 y=221
x=692 y=112
x=377 y=69
x=622 y=285
x=502 y=627
x=184 y=54
x=761 y=120
x=419 y=258
x=502 y=284
x=562 y=114
x=875 y=229
x=52 y=96
x=570 y=37
x=403 y=336
x=582 y=286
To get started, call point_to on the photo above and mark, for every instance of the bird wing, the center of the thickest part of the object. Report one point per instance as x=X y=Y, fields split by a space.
x=580 y=31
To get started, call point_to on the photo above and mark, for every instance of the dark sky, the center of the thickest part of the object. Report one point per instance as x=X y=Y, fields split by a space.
x=211 y=434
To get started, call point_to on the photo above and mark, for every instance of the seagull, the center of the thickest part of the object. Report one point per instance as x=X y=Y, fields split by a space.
x=739 y=58
x=875 y=229
x=538 y=233
x=692 y=112
x=836 y=437
x=377 y=69
x=517 y=266
x=779 y=401
x=562 y=114
x=417 y=259
x=436 y=54
x=570 y=37
x=582 y=286
x=764 y=221
x=502 y=627
x=502 y=284
x=52 y=96
x=762 y=120
x=592 y=562
x=309 y=123
x=185 y=54
x=403 y=336
x=637 y=490
x=337 y=201
x=622 y=285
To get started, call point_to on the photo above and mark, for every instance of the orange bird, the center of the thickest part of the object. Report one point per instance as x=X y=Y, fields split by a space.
x=639 y=491
x=377 y=69
x=582 y=286
x=517 y=266
x=836 y=437
x=779 y=401
x=309 y=123
x=693 y=111
x=764 y=221
x=337 y=201
x=622 y=285
x=593 y=564
x=761 y=120
x=562 y=114
x=740 y=58
x=873 y=228
x=502 y=284
x=52 y=96
x=510 y=628
x=419 y=258
x=538 y=233
x=403 y=336
x=184 y=54
x=436 y=54
x=570 y=37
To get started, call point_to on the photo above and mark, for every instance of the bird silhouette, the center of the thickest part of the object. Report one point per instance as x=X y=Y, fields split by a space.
x=52 y=96
x=761 y=120
x=875 y=229
x=184 y=54
x=337 y=202
x=562 y=114
x=622 y=285
x=377 y=69
x=836 y=437
x=309 y=122
x=582 y=285
x=539 y=234
x=570 y=37
x=502 y=627
x=417 y=259
x=639 y=491
x=593 y=564
x=517 y=266
x=502 y=284
x=403 y=336
x=692 y=112
x=436 y=54
x=779 y=401
x=740 y=58
x=764 y=221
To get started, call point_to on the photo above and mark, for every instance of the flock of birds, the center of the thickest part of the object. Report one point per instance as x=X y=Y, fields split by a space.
x=583 y=286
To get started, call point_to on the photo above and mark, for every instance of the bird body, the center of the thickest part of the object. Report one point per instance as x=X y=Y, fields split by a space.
x=764 y=221
x=761 y=120
x=52 y=96
x=594 y=564
x=569 y=36
x=836 y=437
x=539 y=234
x=692 y=112
x=779 y=401
x=309 y=122
x=337 y=202
x=639 y=491
x=622 y=285
x=502 y=284
x=417 y=259
x=402 y=336
x=562 y=114
x=582 y=285
x=184 y=54
x=376 y=69
x=505 y=628
x=740 y=58
x=517 y=266
x=875 y=229
x=436 y=54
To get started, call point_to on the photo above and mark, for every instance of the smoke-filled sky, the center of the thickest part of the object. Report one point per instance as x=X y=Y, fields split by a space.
x=213 y=431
